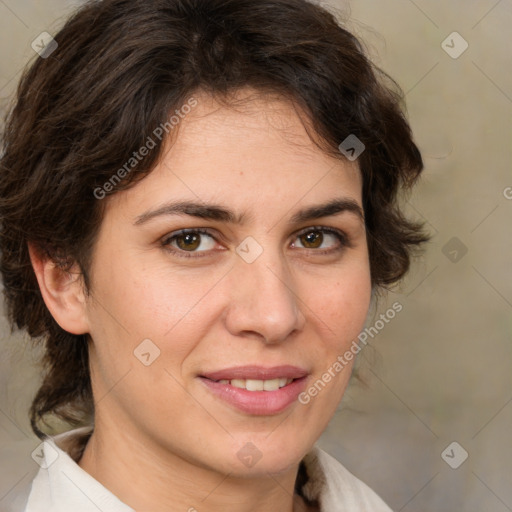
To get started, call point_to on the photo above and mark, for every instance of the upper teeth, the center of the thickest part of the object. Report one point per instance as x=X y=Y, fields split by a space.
x=258 y=385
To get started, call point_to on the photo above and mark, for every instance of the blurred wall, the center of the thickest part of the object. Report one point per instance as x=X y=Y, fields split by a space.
x=439 y=372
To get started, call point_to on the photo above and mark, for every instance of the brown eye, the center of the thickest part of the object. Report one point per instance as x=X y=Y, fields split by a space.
x=193 y=241
x=326 y=239
x=312 y=239
x=188 y=242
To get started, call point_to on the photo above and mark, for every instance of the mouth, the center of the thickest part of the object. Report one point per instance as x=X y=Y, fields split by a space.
x=257 y=373
x=257 y=385
x=257 y=390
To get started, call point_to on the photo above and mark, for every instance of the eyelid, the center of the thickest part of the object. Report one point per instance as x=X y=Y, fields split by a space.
x=166 y=241
x=343 y=239
x=326 y=229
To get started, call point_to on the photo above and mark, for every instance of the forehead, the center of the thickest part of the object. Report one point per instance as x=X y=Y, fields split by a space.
x=252 y=148
x=245 y=108
x=251 y=118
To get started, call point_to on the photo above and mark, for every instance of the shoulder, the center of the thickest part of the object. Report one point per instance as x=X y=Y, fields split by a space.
x=62 y=485
x=335 y=488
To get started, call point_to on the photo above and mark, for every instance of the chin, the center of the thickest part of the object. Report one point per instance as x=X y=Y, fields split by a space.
x=260 y=454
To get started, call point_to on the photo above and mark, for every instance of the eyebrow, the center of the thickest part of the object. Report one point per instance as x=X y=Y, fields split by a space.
x=220 y=213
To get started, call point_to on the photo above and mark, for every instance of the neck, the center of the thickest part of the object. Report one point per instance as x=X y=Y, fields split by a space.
x=168 y=482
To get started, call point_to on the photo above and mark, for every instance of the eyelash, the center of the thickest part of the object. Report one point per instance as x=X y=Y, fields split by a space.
x=342 y=238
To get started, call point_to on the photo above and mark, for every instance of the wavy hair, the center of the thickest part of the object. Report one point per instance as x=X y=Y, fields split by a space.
x=120 y=68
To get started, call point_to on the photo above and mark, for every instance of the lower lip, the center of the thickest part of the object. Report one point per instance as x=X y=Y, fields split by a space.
x=257 y=402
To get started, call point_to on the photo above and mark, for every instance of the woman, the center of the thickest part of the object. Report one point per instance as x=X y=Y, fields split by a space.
x=198 y=200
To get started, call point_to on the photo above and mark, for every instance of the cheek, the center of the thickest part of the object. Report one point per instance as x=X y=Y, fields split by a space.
x=342 y=303
x=140 y=301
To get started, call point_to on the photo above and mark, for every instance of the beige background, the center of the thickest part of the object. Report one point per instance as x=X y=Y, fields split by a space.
x=441 y=370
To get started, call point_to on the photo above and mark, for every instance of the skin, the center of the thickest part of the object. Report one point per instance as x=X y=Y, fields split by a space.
x=158 y=426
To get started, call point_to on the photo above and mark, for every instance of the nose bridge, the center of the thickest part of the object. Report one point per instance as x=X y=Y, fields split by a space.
x=264 y=299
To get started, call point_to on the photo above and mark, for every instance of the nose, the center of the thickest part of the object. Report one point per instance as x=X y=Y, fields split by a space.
x=263 y=302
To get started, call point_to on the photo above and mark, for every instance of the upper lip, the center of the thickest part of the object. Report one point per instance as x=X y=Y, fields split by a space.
x=257 y=373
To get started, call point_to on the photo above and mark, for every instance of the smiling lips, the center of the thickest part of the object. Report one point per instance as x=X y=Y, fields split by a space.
x=255 y=389
x=258 y=385
x=257 y=373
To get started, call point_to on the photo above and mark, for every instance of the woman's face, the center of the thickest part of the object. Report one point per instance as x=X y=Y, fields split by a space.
x=270 y=282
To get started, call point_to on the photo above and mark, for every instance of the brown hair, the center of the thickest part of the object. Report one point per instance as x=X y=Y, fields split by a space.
x=120 y=67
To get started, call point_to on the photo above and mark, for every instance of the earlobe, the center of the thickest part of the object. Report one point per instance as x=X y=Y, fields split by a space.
x=62 y=291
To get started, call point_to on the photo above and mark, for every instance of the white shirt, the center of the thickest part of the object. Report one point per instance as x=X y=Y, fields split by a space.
x=61 y=485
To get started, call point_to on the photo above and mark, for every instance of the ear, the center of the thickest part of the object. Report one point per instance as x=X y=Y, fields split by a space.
x=62 y=291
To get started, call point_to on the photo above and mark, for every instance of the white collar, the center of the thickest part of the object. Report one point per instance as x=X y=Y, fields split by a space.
x=61 y=485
